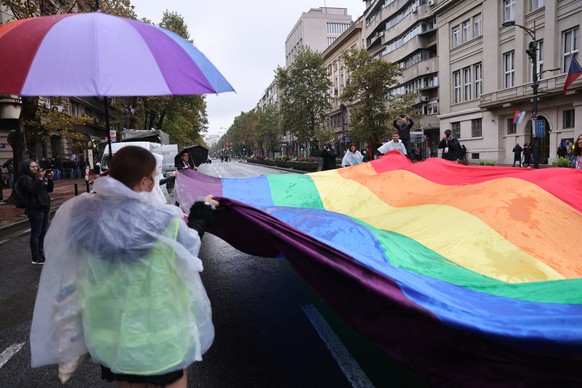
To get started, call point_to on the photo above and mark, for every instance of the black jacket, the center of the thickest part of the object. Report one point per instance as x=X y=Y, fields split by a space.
x=403 y=130
x=452 y=146
x=35 y=191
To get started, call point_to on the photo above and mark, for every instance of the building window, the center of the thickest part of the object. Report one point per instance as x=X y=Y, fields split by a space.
x=456 y=36
x=535 y=4
x=466 y=29
x=476 y=128
x=477 y=25
x=457 y=87
x=456 y=129
x=467 y=95
x=539 y=59
x=511 y=128
x=571 y=46
x=508 y=69
x=568 y=119
x=509 y=10
x=478 y=71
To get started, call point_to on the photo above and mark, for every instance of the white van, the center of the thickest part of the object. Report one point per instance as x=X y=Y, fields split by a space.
x=168 y=151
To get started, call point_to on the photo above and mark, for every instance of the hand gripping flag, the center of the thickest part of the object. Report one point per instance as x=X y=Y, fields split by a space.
x=574 y=72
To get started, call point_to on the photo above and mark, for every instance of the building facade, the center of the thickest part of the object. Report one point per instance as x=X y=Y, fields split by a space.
x=338 y=118
x=317 y=29
x=490 y=74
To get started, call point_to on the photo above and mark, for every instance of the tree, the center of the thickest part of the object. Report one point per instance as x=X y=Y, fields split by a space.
x=305 y=93
x=267 y=130
x=368 y=90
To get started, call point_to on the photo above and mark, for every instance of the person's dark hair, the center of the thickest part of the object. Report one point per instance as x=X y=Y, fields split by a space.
x=577 y=150
x=130 y=164
x=448 y=132
x=26 y=168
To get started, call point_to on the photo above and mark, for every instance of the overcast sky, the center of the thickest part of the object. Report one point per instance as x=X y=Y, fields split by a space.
x=245 y=40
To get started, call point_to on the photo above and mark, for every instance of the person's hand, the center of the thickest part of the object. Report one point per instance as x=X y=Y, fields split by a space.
x=210 y=199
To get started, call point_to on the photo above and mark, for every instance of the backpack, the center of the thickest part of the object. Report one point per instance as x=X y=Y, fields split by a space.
x=455 y=147
x=18 y=197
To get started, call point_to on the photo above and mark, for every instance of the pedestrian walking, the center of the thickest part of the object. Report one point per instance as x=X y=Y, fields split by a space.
x=123 y=284
x=517 y=154
x=35 y=184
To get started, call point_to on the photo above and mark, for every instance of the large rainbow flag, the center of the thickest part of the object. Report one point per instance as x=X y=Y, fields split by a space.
x=469 y=275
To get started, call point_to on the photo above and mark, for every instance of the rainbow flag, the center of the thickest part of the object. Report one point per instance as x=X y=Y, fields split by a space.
x=463 y=273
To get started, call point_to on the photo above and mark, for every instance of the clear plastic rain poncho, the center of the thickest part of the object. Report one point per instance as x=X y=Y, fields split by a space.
x=121 y=281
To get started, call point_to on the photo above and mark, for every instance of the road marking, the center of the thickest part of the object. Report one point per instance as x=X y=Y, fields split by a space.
x=9 y=352
x=344 y=359
x=216 y=169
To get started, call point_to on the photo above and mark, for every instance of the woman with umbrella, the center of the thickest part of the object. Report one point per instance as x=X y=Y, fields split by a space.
x=185 y=163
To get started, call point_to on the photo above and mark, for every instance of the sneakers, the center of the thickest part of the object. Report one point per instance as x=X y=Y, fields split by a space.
x=39 y=260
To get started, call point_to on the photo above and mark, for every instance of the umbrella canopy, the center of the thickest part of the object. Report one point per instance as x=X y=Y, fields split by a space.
x=198 y=155
x=95 y=54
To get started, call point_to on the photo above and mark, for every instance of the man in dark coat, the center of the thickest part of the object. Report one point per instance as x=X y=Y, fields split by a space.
x=328 y=154
x=403 y=124
x=450 y=146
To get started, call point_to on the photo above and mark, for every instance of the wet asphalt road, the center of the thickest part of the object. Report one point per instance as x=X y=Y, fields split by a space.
x=271 y=329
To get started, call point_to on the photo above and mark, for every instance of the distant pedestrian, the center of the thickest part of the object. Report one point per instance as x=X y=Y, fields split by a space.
x=576 y=160
x=561 y=152
x=353 y=157
x=9 y=166
x=35 y=184
x=328 y=154
x=365 y=156
x=403 y=123
x=517 y=154
x=450 y=146
x=394 y=144
x=527 y=155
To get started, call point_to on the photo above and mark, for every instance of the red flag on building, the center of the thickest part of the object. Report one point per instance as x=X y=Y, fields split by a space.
x=574 y=71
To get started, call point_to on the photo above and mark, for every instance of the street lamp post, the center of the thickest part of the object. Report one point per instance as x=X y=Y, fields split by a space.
x=532 y=54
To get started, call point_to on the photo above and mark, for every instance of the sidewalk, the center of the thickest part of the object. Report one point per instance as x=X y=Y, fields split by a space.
x=12 y=218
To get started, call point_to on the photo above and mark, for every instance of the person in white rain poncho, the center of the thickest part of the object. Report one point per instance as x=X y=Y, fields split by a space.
x=121 y=281
x=353 y=157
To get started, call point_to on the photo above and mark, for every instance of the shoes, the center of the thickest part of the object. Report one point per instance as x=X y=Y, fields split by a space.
x=39 y=260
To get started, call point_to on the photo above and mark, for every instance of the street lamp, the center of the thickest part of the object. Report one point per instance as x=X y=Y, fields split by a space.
x=532 y=54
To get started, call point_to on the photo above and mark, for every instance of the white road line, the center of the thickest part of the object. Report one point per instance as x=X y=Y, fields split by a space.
x=9 y=352
x=344 y=359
